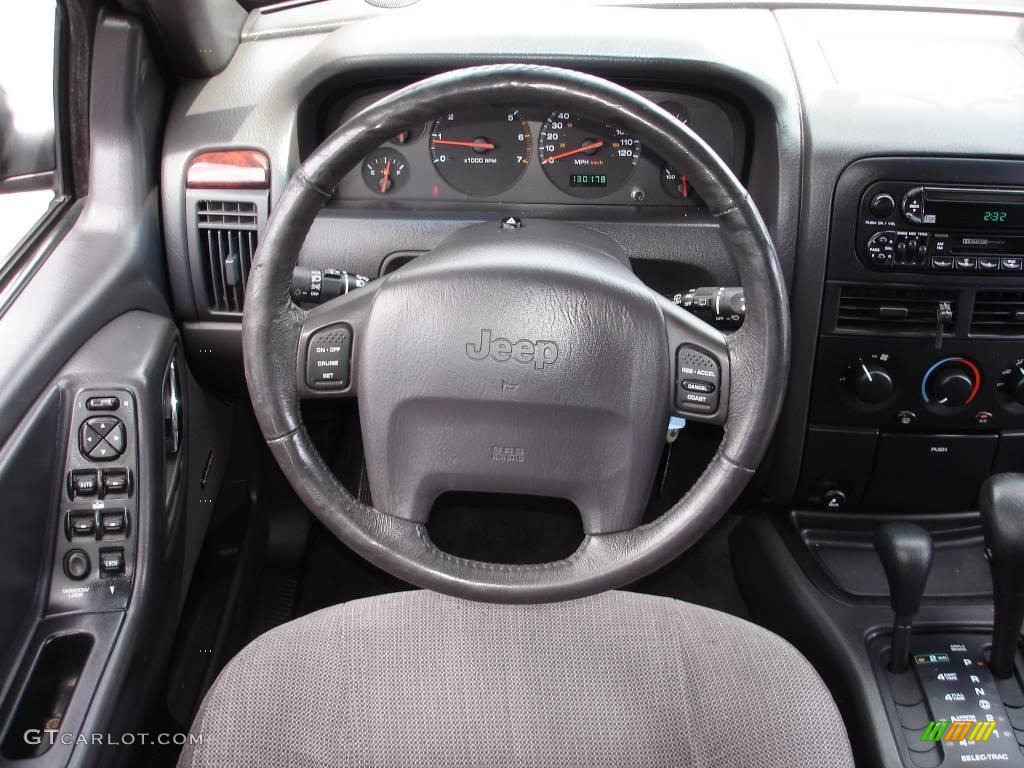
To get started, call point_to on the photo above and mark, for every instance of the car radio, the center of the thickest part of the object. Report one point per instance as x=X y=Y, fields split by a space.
x=914 y=227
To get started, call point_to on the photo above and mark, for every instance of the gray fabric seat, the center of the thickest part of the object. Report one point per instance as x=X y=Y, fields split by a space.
x=419 y=679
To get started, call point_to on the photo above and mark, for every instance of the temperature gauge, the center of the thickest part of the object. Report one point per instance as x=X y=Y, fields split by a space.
x=678 y=186
x=385 y=171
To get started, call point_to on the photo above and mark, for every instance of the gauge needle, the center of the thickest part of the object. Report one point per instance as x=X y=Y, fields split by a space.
x=471 y=144
x=570 y=152
x=384 y=177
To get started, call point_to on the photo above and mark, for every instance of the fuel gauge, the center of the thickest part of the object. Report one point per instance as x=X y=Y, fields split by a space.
x=385 y=171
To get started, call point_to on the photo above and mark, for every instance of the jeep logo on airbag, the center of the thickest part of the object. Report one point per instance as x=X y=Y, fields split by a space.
x=541 y=353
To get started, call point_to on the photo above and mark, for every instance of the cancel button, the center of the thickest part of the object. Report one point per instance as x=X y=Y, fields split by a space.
x=328 y=358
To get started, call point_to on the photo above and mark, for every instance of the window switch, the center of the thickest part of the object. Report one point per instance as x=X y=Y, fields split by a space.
x=81 y=524
x=82 y=482
x=116 y=482
x=111 y=561
x=113 y=523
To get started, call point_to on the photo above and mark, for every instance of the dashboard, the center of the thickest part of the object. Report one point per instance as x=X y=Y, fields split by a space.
x=796 y=101
x=520 y=154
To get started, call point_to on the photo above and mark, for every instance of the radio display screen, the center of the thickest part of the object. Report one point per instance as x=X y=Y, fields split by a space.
x=967 y=208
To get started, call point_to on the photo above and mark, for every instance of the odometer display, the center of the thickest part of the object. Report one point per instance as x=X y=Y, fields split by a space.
x=481 y=152
x=586 y=158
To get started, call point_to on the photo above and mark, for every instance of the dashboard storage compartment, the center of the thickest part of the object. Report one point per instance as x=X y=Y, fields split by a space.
x=930 y=473
x=47 y=695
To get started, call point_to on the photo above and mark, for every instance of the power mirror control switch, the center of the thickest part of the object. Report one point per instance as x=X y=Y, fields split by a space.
x=104 y=403
x=102 y=438
x=698 y=380
x=328 y=356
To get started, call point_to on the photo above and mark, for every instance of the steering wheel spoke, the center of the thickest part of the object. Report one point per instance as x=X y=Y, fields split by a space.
x=701 y=367
x=328 y=350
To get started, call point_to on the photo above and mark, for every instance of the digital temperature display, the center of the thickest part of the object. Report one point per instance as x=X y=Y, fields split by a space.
x=588 y=180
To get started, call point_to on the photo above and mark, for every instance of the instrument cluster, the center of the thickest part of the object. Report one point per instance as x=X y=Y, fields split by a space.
x=516 y=154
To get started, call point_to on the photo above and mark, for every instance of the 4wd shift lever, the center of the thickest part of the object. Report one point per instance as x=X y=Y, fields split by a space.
x=1001 y=504
x=905 y=550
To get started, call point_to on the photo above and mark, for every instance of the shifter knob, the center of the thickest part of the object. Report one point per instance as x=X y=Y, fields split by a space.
x=905 y=550
x=1001 y=504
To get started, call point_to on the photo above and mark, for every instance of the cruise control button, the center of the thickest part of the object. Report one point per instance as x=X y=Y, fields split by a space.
x=698 y=379
x=327 y=359
x=692 y=385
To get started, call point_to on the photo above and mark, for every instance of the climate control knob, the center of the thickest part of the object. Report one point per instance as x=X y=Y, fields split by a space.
x=871 y=383
x=1012 y=385
x=951 y=382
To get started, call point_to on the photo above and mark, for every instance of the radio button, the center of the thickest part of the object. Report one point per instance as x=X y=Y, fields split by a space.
x=912 y=205
x=940 y=244
x=942 y=262
x=988 y=263
x=1010 y=265
x=882 y=205
x=966 y=263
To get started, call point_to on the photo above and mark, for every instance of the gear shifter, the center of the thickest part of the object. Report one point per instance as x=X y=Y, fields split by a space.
x=1001 y=504
x=905 y=550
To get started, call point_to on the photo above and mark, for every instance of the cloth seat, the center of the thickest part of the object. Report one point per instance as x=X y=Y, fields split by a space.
x=419 y=679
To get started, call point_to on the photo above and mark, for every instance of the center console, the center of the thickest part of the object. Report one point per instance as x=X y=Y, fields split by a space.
x=918 y=388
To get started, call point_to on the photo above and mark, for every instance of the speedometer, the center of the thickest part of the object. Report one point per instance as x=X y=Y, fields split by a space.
x=480 y=152
x=586 y=158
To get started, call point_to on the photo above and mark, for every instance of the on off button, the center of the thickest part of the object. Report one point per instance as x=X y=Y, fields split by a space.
x=328 y=356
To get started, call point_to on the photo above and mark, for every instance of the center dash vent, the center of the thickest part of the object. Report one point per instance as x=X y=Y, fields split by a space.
x=998 y=313
x=894 y=310
x=227 y=242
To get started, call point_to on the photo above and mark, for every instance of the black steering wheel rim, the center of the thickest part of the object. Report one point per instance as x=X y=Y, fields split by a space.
x=758 y=353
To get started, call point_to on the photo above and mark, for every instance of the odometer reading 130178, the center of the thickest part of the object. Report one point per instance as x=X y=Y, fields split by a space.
x=586 y=158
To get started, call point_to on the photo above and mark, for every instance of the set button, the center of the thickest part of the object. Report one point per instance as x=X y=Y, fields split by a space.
x=102 y=438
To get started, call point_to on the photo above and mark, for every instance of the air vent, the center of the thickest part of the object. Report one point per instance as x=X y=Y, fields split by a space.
x=227 y=242
x=998 y=313
x=896 y=310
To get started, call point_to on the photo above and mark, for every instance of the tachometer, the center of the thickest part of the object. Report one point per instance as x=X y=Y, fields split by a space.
x=481 y=152
x=586 y=158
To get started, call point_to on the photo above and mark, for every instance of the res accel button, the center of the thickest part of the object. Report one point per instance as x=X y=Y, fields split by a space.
x=698 y=379
x=327 y=358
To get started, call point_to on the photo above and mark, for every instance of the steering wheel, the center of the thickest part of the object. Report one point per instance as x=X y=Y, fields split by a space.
x=524 y=360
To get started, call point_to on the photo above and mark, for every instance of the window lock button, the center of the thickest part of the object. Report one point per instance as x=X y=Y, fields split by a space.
x=111 y=561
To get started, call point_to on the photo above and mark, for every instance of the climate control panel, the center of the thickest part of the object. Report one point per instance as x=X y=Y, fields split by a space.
x=900 y=383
